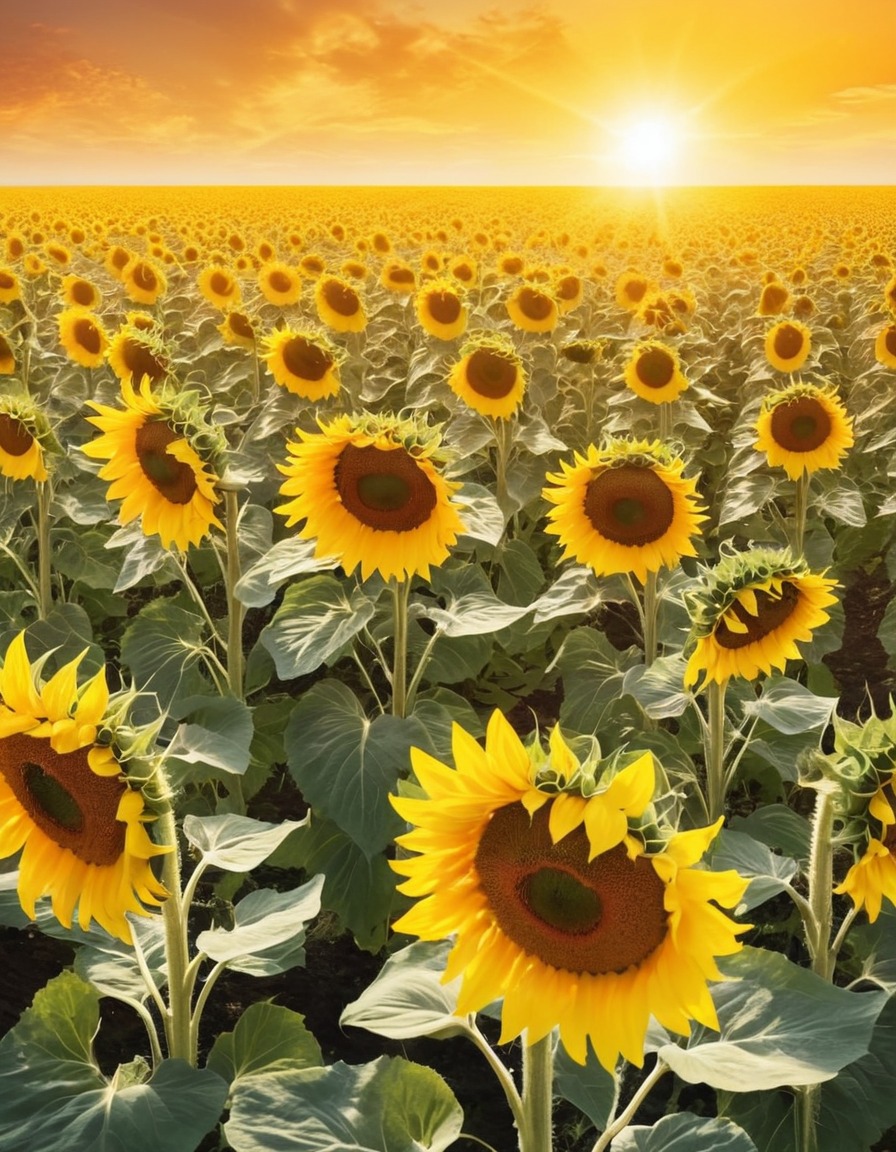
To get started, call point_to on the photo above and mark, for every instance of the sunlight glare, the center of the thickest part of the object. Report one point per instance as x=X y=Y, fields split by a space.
x=649 y=148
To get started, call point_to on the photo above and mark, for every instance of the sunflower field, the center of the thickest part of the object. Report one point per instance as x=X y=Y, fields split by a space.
x=468 y=611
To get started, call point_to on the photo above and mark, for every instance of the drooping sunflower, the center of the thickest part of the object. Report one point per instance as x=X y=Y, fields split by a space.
x=440 y=310
x=624 y=508
x=787 y=345
x=654 y=373
x=65 y=800
x=236 y=328
x=162 y=462
x=489 y=376
x=7 y=357
x=10 y=289
x=532 y=310
x=339 y=305
x=304 y=363
x=279 y=283
x=803 y=428
x=370 y=491
x=219 y=287
x=885 y=346
x=135 y=351
x=583 y=351
x=23 y=428
x=82 y=335
x=77 y=292
x=748 y=613
x=872 y=878
x=774 y=299
x=539 y=867
x=143 y=281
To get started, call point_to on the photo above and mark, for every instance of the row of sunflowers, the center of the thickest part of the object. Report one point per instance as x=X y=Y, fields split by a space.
x=515 y=557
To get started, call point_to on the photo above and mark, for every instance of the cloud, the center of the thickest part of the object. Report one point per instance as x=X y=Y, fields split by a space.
x=866 y=94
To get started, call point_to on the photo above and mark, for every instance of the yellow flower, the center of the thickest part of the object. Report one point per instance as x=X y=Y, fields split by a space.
x=890 y=294
x=803 y=428
x=398 y=277
x=83 y=337
x=873 y=876
x=135 y=351
x=489 y=377
x=153 y=465
x=787 y=345
x=116 y=260
x=532 y=310
x=339 y=305
x=219 y=287
x=303 y=363
x=21 y=427
x=749 y=612
x=654 y=373
x=80 y=293
x=569 y=292
x=279 y=283
x=543 y=878
x=10 y=289
x=631 y=288
x=441 y=310
x=65 y=801
x=143 y=281
x=625 y=508
x=369 y=491
x=236 y=328
x=774 y=299
x=7 y=357
x=885 y=346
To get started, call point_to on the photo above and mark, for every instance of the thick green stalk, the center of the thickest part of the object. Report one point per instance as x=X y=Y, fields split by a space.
x=715 y=750
x=235 y=609
x=503 y=430
x=44 y=571
x=665 y=421
x=177 y=956
x=536 y=1134
x=400 y=592
x=801 y=504
x=651 y=608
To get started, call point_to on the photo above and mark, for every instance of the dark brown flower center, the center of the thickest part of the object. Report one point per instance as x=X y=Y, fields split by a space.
x=774 y=297
x=385 y=489
x=401 y=276
x=802 y=425
x=629 y=505
x=604 y=916
x=512 y=265
x=118 y=258
x=890 y=340
x=772 y=611
x=82 y=293
x=221 y=284
x=239 y=323
x=175 y=480
x=341 y=297
x=279 y=281
x=655 y=368
x=568 y=287
x=444 y=306
x=490 y=374
x=533 y=304
x=463 y=271
x=634 y=290
x=64 y=797
x=305 y=359
x=7 y=280
x=140 y=361
x=5 y=349
x=788 y=342
x=15 y=439
x=580 y=352
x=144 y=277
x=87 y=335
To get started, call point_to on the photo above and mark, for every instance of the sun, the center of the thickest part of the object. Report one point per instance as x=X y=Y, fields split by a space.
x=649 y=148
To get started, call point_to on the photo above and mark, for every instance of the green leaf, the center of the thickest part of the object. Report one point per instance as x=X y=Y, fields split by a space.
x=265 y=920
x=659 y=689
x=589 y=1086
x=346 y=765
x=236 y=843
x=267 y=1038
x=162 y=648
x=746 y=496
x=143 y=555
x=790 y=708
x=769 y=874
x=841 y=499
x=287 y=558
x=313 y=624
x=480 y=513
x=780 y=1025
x=53 y=1095
x=111 y=967
x=576 y=592
x=438 y=710
x=593 y=672
x=520 y=574
x=685 y=1132
x=80 y=556
x=217 y=736
x=65 y=633
x=777 y=826
x=389 y=1105
x=471 y=607
x=408 y=998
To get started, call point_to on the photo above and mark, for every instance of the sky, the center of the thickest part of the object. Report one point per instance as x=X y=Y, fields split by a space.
x=454 y=92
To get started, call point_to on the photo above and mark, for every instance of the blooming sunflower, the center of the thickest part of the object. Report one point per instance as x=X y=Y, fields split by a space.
x=532 y=310
x=630 y=290
x=83 y=337
x=65 y=801
x=489 y=377
x=654 y=373
x=370 y=491
x=219 y=287
x=624 y=508
x=890 y=294
x=440 y=310
x=540 y=870
x=803 y=428
x=7 y=357
x=749 y=612
x=398 y=277
x=10 y=289
x=885 y=346
x=873 y=876
x=116 y=260
x=143 y=282
x=80 y=293
x=23 y=427
x=774 y=299
x=569 y=292
x=135 y=351
x=339 y=305
x=161 y=457
x=236 y=328
x=279 y=283
x=303 y=363
x=787 y=345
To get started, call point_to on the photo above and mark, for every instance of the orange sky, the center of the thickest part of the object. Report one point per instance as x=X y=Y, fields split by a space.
x=454 y=92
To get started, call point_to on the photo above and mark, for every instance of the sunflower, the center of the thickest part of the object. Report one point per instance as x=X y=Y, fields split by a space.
x=22 y=428
x=236 y=328
x=569 y=292
x=890 y=294
x=65 y=800
x=440 y=310
x=83 y=337
x=803 y=428
x=464 y=269
x=398 y=277
x=303 y=363
x=33 y=266
x=279 y=283
x=219 y=287
x=538 y=865
x=583 y=351
x=162 y=458
x=354 y=270
x=339 y=305
x=80 y=293
x=631 y=288
x=787 y=345
x=532 y=310
x=624 y=508
x=773 y=300
x=885 y=346
x=748 y=613
x=10 y=289
x=654 y=373
x=143 y=281
x=873 y=876
x=116 y=260
x=7 y=357
x=370 y=491
x=135 y=352
x=489 y=377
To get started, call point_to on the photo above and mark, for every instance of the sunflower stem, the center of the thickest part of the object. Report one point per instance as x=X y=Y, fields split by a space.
x=801 y=505
x=625 y=1117
x=715 y=750
x=651 y=607
x=502 y=1075
x=44 y=585
x=536 y=1135
x=174 y=917
x=400 y=592
x=235 y=610
x=665 y=421
x=821 y=881
x=503 y=440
